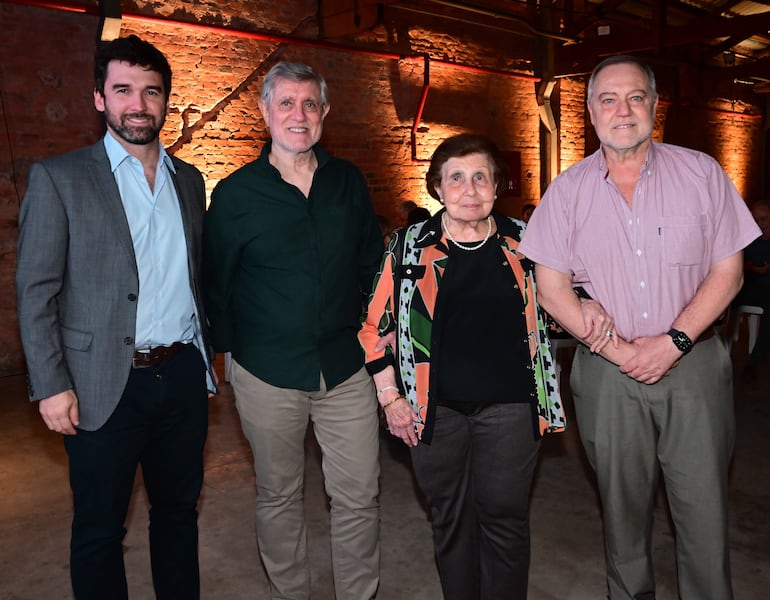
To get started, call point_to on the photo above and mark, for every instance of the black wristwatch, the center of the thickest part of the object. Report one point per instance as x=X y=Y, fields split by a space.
x=681 y=340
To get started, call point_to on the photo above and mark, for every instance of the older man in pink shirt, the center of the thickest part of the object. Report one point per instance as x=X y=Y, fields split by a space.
x=655 y=234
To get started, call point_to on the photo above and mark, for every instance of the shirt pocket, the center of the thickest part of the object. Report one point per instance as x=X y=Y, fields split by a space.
x=684 y=240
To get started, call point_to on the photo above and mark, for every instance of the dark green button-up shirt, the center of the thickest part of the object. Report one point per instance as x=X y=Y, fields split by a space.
x=286 y=276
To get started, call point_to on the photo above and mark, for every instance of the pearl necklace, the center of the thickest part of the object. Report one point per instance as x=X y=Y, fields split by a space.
x=468 y=248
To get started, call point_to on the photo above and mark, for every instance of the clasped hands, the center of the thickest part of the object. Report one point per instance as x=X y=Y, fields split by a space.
x=645 y=359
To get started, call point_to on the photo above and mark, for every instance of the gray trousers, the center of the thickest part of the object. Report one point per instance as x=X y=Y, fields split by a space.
x=346 y=426
x=684 y=424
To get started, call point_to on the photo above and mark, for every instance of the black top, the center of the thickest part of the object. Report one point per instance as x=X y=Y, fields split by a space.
x=484 y=354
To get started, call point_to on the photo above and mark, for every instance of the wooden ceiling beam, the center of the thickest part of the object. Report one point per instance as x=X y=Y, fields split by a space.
x=708 y=28
x=580 y=58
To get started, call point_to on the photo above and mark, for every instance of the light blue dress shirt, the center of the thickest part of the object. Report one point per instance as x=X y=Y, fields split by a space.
x=166 y=308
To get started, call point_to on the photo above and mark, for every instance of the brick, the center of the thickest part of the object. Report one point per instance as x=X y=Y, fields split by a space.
x=215 y=123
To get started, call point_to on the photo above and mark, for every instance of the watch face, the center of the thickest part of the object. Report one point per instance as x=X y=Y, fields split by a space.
x=681 y=340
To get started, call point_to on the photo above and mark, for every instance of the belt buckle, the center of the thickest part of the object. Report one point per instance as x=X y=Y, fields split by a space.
x=145 y=356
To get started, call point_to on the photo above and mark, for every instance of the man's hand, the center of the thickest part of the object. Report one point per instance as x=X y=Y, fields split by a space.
x=60 y=412
x=654 y=359
x=387 y=340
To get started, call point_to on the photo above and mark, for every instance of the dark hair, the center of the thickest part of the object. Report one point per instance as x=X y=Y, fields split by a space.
x=416 y=215
x=133 y=51
x=622 y=59
x=293 y=71
x=463 y=145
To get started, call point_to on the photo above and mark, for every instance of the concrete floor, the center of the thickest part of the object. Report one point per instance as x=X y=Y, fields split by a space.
x=567 y=553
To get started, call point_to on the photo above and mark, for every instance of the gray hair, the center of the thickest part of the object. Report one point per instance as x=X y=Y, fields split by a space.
x=622 y=59
x=293 y=71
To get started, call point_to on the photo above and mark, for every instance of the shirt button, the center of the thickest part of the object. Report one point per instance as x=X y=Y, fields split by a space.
x=644 y=315
x=132 y=297
x=641 y=284
x=409 y=271
x=638 y=252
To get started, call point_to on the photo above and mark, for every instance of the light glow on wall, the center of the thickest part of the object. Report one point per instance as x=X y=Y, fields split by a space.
x=736 y=133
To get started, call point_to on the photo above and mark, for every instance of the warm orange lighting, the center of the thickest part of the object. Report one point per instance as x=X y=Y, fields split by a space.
x=736 y=134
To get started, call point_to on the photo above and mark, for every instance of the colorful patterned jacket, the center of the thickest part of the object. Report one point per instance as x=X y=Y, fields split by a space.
x=419 y=276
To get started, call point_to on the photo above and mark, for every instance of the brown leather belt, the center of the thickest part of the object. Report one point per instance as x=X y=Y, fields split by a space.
x=157 y=355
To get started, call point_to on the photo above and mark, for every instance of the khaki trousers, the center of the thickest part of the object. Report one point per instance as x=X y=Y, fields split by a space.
x=682 y=426
x=345 y=422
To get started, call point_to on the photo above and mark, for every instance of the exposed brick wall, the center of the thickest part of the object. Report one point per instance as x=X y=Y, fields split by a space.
x=47 y=110
x=721 y=130
x=215 y=123
x=572 y=122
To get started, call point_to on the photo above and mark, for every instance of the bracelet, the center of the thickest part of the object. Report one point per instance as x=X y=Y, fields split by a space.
x=385 y=389
x=384 y=406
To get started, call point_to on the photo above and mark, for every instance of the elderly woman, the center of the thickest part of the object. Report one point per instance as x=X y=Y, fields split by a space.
x=471 y=387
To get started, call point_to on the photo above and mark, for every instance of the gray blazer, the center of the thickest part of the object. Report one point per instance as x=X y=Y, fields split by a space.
x=77 y=282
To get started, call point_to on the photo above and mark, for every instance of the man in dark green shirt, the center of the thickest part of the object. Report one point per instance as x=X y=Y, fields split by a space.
x=292 y=245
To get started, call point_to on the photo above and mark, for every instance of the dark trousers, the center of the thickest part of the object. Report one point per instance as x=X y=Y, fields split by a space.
x=160 y=424
x=477 y=474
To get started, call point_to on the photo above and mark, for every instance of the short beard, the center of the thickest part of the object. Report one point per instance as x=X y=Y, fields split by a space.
x=131 y=134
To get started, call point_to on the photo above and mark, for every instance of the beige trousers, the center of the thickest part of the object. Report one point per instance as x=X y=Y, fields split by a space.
x=345 y=422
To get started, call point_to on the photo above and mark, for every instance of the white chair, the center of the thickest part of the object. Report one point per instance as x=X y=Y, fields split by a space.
x=754 y=314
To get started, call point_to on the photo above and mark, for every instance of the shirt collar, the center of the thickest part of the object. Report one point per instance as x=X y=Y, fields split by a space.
x=117 y=153
x=321 y=156
x=649 y=160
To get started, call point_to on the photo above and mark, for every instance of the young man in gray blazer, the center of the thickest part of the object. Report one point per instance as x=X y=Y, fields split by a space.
x=113 y=330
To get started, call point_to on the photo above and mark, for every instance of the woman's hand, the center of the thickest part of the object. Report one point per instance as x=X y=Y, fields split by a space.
x=598 y=326
x=400 y=417
x=398 y=412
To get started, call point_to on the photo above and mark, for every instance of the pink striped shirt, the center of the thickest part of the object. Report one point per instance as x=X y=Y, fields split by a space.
x=642 y=263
